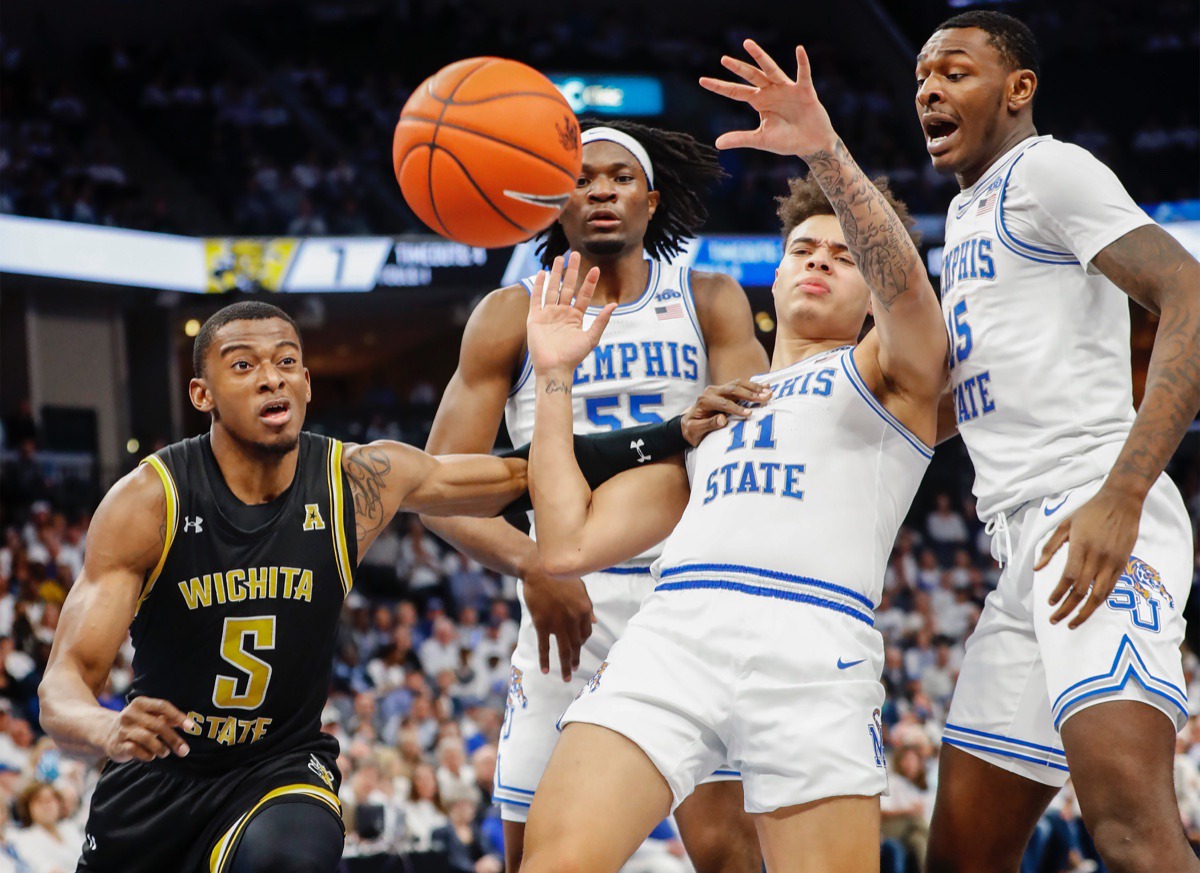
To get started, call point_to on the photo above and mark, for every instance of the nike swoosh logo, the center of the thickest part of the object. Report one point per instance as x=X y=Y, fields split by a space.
x=550 y=201
x=1050 y=510
x=842 y=665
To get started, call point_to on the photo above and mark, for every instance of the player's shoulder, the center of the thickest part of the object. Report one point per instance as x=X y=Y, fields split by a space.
x=498 y=321
x=130 y=522
x=1052 y=161
x=714 y=290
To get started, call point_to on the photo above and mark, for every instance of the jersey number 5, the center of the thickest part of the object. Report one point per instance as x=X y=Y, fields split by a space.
x=256 y=672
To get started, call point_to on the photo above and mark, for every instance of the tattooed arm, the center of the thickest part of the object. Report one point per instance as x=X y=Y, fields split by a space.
x=1150 y=266
x=386 y=477
x=904 y=360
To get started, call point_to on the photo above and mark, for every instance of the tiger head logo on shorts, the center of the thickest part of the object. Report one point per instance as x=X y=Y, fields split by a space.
x=1145 y=581
x=594 y=682
x=516 y=689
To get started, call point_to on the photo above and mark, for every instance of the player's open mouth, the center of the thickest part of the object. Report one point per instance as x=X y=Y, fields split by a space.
x=276 y=413
x=940 y=131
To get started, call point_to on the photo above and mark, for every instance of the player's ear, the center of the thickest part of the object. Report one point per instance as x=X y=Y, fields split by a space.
x=653 y=197
x=307 y=386
x=200 y=396
x=1021 y=87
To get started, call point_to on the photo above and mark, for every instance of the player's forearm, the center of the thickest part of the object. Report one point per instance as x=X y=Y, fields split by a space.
x=561 y=494
x=474 y=485
x=493 y=542
x=878 y=240
x=1172 y=396
x=71 y=715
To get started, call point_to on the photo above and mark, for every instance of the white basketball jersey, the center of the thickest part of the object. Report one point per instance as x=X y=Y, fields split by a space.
x=649 y=366
x=806 y=495
x=1039 y=341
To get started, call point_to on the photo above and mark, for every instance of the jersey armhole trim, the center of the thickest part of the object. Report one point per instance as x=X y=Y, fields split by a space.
x=337 y=511
x=689 y=305
x=1020 y=247
x=860 y=386
x=526 y=364
x=172 y=499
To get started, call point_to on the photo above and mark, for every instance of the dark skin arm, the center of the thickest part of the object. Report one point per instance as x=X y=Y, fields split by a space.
x=124 y=544
x=734 y=352
x=1150 y=266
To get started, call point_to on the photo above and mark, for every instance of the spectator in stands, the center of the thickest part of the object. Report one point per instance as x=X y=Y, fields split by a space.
x=46 y=842
x=906 y=809
x=424 y=813
x=945 y=528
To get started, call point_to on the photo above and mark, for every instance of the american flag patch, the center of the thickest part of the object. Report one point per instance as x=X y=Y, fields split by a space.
x=671 y=310
x=987 y=204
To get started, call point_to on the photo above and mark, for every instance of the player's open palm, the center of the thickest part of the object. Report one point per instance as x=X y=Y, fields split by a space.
x=557 y=338
x=791 y=119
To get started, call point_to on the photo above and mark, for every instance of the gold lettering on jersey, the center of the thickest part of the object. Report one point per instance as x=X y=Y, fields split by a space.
x=227 y=730
x=312 y=517
x=254 y=583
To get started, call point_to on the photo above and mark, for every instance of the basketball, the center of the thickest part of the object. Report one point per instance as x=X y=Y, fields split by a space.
x=487 y=152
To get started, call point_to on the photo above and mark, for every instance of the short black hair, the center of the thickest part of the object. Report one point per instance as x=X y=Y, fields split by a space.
x=806 y=199
x=245 y=310
x=1009 y=36
x=684 y=168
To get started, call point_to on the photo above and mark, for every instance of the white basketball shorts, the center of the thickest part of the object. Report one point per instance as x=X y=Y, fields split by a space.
x=536 y=702
x=1022 y=677
x=748 y=671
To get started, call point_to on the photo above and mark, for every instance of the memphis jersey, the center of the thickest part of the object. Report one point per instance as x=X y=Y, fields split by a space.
x=805 y=496
x=649 y=366
x=1039 y=340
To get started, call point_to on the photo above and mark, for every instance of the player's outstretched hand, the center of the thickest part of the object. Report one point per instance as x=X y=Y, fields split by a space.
x=1102 y=534
x=791 y=120
x=713 y=409
x=557 y=338
x=560 y=608
x=146 y=729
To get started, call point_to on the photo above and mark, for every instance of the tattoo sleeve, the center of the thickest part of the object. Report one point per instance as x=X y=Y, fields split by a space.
x=368 y=468
x=877 y=239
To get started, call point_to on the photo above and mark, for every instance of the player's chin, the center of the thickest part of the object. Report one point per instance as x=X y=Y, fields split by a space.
x=604 y=244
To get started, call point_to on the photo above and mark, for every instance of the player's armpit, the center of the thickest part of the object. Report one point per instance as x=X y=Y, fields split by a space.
x=626 y=515
x=126 y=542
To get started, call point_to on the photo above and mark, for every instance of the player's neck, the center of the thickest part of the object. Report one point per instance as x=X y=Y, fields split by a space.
x=622 y=279
x=793 y=349
x=1021 y=132
x=253 y=475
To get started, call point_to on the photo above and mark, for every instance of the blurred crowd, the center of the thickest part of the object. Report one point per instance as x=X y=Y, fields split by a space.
x=420 y=684
x=293 y=135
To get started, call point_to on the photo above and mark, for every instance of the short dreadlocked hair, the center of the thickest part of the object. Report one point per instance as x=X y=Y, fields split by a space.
x=806 y=199
x=1009 y=36
x=683 y=168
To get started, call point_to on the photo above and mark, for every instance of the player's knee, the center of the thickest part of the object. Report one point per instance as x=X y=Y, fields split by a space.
x=721 y=851
x=1127 y=847
x=556 y=856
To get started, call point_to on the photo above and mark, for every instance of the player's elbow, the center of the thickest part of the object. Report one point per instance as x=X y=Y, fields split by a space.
x=562 y=562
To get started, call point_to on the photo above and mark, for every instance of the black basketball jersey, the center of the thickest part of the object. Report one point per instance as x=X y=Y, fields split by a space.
x=236 y=626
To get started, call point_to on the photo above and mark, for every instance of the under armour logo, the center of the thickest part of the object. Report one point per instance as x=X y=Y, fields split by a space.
x=642 y=456
x=190 y=526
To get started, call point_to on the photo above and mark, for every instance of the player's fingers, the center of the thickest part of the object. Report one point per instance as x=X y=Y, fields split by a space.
x=733 y=90
x=803 y=70
x=766 y=63
x=583 y=297
x=554 y=292
x=1070 y=575
x=1082 y=571
x=749 y=72
x=173 y=715
x=543 y=651
x=596 y=330
x=738 y=139
x=146 y=741
x=570 y=277
x=1061 y=534
x=566 y=657
x=537 y=300
x=743 y=389
x=1101 y=588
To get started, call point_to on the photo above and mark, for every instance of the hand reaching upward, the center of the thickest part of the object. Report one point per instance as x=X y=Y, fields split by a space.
x=792 y=120
x=557 y=338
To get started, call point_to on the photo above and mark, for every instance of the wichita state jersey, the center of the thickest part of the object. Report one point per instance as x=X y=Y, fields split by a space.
x=236 y=627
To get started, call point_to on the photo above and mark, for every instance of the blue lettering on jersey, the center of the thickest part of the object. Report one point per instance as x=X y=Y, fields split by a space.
x=754 y=477
x=650 y=359
x=973 y=397
x=960 y=334
x=970 y=259
x=817 y=383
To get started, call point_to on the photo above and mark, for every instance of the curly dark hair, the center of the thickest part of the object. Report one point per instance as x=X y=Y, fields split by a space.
x=683 y=168
x=806 y=199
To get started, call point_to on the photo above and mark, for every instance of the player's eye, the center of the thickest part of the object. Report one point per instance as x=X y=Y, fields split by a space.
x=954 y=77
x=625 y=178
x=581 y=182
x=241 y=365
x=921 y=80
x=288 y=361
x=847 y=261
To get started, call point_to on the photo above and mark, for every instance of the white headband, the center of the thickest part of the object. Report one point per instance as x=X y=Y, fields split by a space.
x=611 y=134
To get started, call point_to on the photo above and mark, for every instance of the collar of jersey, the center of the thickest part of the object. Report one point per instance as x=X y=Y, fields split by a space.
x=809 y=359
x=651 y=286
x=222 y=488
x=993 y=171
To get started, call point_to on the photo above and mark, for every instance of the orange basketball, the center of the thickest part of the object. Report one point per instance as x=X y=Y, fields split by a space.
x=487 y=152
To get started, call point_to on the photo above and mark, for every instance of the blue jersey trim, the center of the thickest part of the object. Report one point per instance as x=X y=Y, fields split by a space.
x=501 y=801
x=778 y=594
x=627 y=571
x=737 y=773
x=652 y=278
x=768 y=574
x=689 y=306
x=1017 y=246
x=526 y=372
x=1144 y=678
x=984 y=183
x=1004 y=753
x=1026 y=743
x=857 y=381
